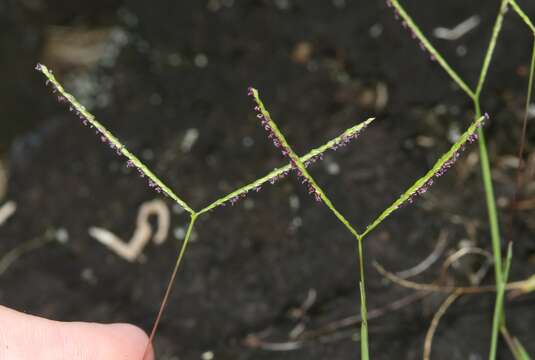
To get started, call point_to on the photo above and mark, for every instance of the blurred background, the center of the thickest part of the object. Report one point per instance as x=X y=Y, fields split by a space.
x=275 y=276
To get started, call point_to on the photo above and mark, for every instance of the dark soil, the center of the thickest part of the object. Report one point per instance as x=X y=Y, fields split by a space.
x=179 y=65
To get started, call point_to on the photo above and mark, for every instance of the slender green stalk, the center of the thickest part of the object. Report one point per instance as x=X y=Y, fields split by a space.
x=491 y=203
x=522 y=15
x=498 y=309
x=427 y=44
x=170 y=284
x=87 y=116
x=490 y=50
x=516 y=347
x=421 y=182
x=364 y=346
x=523 y=132
x=514 y=344
x=487 y=182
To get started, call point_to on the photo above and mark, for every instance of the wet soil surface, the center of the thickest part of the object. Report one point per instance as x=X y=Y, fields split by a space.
x=169 y=79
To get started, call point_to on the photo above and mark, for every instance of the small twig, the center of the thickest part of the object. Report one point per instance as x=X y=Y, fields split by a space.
x=256 y=342
x=355 y=319
x=429 y=260
x=461 y=253
x=331 y=331
x=524 y=205
x=309 y=301
x=436 y=320
x=444 y=289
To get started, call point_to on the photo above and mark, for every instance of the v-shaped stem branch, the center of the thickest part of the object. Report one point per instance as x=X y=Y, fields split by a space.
x=303 y=172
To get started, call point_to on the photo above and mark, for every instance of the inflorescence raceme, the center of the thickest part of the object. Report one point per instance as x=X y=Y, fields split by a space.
x=406 y=26
x=105 y=137
x=273 y=133
x=446 y=165
x=132 y=162
x=280 y=143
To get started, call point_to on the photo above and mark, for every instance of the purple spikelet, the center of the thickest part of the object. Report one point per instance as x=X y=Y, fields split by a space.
x=285 y=151
x=104 y=138
x=473 y=137
x=233 y=200
x=346 y=139
x=405 y=25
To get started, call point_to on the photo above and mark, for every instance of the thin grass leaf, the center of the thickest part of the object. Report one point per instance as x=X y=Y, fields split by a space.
x=424 y=181
x=88 y=118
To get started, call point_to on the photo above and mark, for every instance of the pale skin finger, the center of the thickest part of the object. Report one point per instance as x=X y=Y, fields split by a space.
x=26 y=337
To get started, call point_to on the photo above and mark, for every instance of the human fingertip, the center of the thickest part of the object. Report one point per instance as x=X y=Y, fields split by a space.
x=131 y=337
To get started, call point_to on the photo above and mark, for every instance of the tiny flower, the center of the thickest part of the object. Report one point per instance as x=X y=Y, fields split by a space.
x=472 y=138
x=442 y=170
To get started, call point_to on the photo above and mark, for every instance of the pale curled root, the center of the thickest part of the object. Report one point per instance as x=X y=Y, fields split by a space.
x=133 y=249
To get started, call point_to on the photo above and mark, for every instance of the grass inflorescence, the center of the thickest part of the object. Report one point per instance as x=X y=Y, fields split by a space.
x=297 y=164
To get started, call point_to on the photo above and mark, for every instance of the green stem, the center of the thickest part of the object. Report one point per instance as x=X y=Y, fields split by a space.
x=427 y=44
x=522 y=15
x=92 y=121
x=423 y=181
x=490 y=50
x=296 y=160
x=522 y=145
x=490 y=200
x=487 y=183
x=498 y=309
x=364 y=347
x=171 y=283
